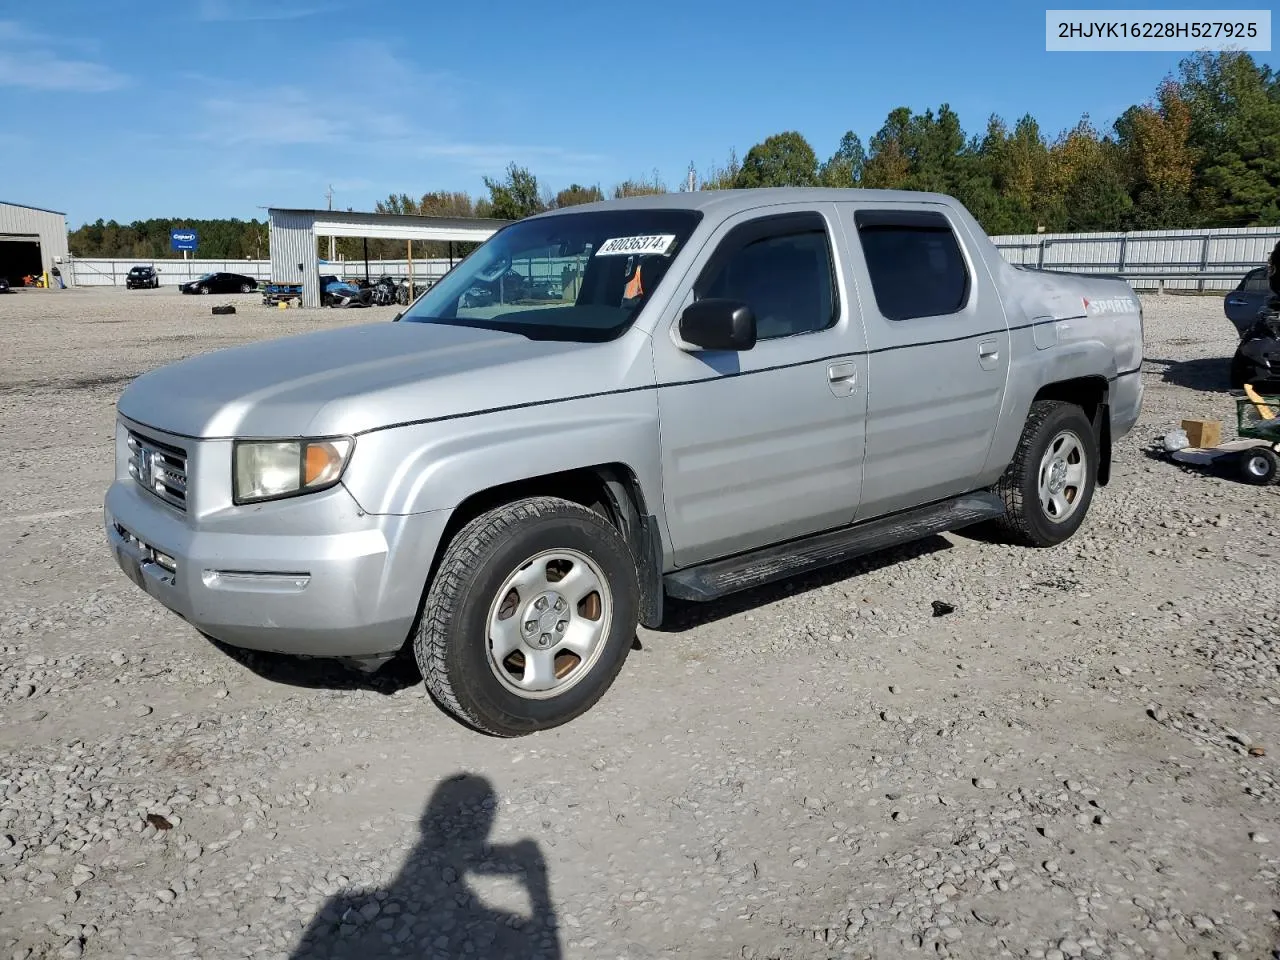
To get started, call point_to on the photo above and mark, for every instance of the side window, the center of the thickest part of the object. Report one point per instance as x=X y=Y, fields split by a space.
x=916 y=267
x=1255 y=281
x=782 y=268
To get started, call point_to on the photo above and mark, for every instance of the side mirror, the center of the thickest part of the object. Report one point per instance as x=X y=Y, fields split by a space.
x=715 y=324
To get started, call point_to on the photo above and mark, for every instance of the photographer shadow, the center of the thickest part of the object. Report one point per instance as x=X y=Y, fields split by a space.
x=429 y=910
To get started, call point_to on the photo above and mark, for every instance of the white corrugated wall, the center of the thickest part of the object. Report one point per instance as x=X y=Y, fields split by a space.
x=293 y=253
x=1174 y=259
x=46 y=226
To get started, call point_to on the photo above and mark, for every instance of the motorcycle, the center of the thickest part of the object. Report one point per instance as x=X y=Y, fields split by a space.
x=384 y=291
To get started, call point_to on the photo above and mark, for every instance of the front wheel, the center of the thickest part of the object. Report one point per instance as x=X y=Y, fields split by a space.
x=1049 y=485
x=530 y=617
x=203 y=289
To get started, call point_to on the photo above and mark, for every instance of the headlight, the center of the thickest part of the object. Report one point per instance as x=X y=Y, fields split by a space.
x=270 y=469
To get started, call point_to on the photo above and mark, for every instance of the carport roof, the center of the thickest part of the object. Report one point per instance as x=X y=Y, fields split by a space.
x=394 y=226
x=27 y=206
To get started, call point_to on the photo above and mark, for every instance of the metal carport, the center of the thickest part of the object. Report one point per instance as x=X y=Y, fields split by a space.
x=293 y=236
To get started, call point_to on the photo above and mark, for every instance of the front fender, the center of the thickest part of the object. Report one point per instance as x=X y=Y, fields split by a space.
x=435 y=466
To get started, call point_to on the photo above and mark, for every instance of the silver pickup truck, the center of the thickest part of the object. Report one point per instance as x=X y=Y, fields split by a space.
x=607 y=406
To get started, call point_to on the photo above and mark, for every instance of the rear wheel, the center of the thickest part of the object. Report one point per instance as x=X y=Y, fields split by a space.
x=529 y=618
x=246 y=288
x=1049 y=485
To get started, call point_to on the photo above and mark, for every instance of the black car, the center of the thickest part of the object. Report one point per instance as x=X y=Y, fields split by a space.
x=1242 y=304
x=221 y=283
x=1254 y=310
x=4 y=284
x=140 y=278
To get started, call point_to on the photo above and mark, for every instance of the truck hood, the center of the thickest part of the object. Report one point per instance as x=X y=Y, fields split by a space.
x=346 y=381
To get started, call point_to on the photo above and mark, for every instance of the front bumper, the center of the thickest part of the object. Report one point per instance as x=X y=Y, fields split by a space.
x=351 y=591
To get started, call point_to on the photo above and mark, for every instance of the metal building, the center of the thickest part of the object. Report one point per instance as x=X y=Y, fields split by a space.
x=32 y=241
x=293 y=236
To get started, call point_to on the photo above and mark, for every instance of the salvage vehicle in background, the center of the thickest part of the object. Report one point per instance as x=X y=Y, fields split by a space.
x=336 y=292
x=1257 y=357
x=737 y=387
x=1250 y=309
x=221 y=283
x=1242 y=304
x=139 y=278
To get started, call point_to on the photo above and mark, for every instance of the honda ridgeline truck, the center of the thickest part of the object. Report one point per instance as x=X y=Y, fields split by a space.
x=711 y=391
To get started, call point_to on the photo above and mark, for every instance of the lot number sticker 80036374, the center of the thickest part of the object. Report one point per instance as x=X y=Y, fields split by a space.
x=659 y=244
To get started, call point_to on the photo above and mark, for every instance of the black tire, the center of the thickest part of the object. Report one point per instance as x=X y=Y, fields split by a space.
x=202 y=289
x=246 y=288
x=1026 y=521
x=452 y=641
x=1259 y=466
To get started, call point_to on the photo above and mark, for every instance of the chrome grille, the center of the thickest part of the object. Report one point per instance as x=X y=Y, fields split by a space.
x=159 y=468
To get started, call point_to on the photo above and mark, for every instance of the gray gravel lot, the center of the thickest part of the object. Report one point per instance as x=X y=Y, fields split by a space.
x=1080 y=761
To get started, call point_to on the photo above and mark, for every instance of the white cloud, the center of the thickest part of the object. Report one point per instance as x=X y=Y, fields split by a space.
x=383 y=112
x=240 y=10
x=283 y=117
x=30 y=60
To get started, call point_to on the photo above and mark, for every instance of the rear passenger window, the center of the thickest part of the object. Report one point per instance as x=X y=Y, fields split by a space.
x=1255 y=281
x=915 y=263
x=782 y=268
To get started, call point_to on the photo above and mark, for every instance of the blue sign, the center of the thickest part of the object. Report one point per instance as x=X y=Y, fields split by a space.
x=183 y=239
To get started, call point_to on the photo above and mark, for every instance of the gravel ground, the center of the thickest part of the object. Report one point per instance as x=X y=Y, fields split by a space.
x=1080 y=761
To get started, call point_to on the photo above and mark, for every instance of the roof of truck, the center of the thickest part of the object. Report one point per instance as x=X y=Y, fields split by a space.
x=731 y=201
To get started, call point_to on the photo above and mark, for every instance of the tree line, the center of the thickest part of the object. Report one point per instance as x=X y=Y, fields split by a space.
x=1203 y=151
x=149 y=239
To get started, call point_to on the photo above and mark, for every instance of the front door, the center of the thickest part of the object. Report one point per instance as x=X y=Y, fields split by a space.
x=938 y=346
x=765 y=444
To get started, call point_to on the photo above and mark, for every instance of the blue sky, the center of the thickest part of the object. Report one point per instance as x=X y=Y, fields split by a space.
x=130 y=109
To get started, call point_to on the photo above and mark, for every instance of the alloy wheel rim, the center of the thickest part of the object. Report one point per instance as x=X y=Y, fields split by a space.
x=1062 y=477
x=548 y=624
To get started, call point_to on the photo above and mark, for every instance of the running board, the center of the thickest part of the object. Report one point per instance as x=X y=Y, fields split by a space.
x=783 y=561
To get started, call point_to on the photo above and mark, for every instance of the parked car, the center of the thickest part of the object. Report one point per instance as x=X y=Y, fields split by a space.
x=1242 y=304
x=4 y=285
x=221 y=283
x=744 y=387
x=142 y=277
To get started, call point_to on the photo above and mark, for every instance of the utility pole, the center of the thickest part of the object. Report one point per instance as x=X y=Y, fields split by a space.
x=692 y=183
x=333 y=255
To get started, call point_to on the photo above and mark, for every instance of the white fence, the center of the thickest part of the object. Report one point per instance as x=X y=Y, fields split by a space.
x=1149 y=259
x=97 y=272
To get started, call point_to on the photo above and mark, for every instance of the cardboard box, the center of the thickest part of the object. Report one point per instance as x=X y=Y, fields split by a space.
x=1203 y=433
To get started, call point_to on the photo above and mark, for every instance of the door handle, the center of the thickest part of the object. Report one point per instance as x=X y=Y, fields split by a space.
x=842 y=378
x=989 y=350
x=842 y=371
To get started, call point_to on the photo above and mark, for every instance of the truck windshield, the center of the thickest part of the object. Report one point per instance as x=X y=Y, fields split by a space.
x=573 y=276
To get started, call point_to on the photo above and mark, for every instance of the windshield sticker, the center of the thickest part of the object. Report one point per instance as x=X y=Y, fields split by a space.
x=659 y=244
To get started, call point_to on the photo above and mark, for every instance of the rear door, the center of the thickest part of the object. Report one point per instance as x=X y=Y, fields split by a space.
x=938 y=346
x=765 y=444
x=1244 y=302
